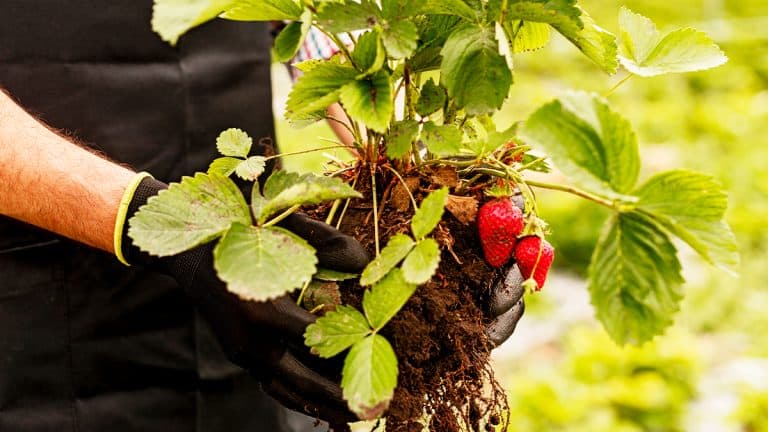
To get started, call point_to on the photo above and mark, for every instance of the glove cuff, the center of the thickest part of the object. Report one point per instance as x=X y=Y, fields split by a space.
x=142 y=187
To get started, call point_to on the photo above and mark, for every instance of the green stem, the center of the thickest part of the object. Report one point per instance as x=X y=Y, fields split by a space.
x=282 y=216
x=375 y=208
x=454 y=163
x=575 y=191
x=303 y=291
x=299 y=152
x=332 y=212
x=617 y=85
x=346 y=126
x=340 y=44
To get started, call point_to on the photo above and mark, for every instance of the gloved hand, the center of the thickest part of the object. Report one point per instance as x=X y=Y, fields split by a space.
x=266 y=338
x=505 y=305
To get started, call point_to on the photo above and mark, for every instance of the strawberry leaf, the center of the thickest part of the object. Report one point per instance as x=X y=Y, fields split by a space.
x=348 y=15
x=263 y=10
x=421 y=263
x=173 y=18
x=290 y=39
x=336 y=331
x=634 y=278
x=224 y=166
x=692 y=206
x=442 y=140
x=429 y=213
x=316 y=90
x=386 y=298
x=369 y=377
x=396 y=249
x=251 y=168
x=188 y=214
x=474 y=73
x=431 y=98
x=589 y=142
x=263 y=263
x=369 y=54
x=234 y=142
x=400 y=137
x=647 y=52
x=369 y=100
x=400 y=38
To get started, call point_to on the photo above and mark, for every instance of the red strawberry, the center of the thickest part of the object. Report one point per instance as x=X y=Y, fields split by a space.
x=534 y=255
x=499 y=222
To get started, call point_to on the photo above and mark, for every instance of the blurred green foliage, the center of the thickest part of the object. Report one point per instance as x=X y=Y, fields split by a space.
x=597 y=386
x=752 y=412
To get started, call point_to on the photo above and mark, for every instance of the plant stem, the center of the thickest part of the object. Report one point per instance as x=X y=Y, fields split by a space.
x=575 y=191
x=346 y=205
x=405 y=185
x=375 y=207
x=342 y=47
x=455 y=163
x=303 y=291
x=281 y=216
x=332 y=212
x=306 y=151
x=617 y=85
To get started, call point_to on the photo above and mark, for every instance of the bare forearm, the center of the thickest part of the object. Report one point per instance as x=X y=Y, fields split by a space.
x=48 y=181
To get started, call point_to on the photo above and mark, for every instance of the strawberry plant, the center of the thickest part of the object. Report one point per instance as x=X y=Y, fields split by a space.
x=419 y=85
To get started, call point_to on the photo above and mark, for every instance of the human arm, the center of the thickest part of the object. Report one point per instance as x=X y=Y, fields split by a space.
x=48 y=181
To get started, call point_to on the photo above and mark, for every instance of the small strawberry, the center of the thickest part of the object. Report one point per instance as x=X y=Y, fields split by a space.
x=499 y=222
x=534 y=255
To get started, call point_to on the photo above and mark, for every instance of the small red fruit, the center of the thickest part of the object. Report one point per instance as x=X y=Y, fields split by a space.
x=534 y=255
x=499 y=222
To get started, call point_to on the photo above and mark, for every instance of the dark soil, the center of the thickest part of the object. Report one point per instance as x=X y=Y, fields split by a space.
x=445 y=381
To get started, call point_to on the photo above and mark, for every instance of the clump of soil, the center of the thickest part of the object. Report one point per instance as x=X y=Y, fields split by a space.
x=445 y=381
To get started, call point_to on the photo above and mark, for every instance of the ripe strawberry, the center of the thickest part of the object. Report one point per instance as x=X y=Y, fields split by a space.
x=534 y=255
x=499 y=222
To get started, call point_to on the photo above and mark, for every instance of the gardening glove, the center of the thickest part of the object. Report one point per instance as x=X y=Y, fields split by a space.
x=505 y=302
x=265 y=338
x=505 y=305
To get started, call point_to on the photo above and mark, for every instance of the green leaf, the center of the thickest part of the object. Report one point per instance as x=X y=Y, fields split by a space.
x=634 y=279
x=492 y=142
x=400 y=38
x=263 y=263
x=234 y=142
x=290 y=39
x=646 y=52
x=596 y=43
x=325 y=274
x=562 y=13
x=589 y=142
x=263 y=10
x=188 y=214
x=450 y=7
x=400 y=137
x=284 y=190
x=431 y=98
x=348 y=15
x=336 y=331
x=444 y=140
x=369 y=54
x=422 y=262
x=369 y=377
x=316 y=90
x=224 y=166
x=692 y=206
x=173 y=18
x=396 y=249
x=473 y=71
x=370 y=100
x=397 y=9
x=429 y=213
x=529 y=36
x=385 y=299
x=251 y=168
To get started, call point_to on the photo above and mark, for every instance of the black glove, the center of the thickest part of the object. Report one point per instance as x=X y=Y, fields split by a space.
x=505 y=305
x=266 y=338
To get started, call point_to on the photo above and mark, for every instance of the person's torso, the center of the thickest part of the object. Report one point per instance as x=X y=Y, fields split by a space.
x=86 y=344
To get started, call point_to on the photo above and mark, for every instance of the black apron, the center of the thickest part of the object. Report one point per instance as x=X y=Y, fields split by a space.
x=87 y=344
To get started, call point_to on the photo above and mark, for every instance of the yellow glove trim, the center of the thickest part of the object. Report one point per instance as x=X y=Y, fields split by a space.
x=122 y=214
